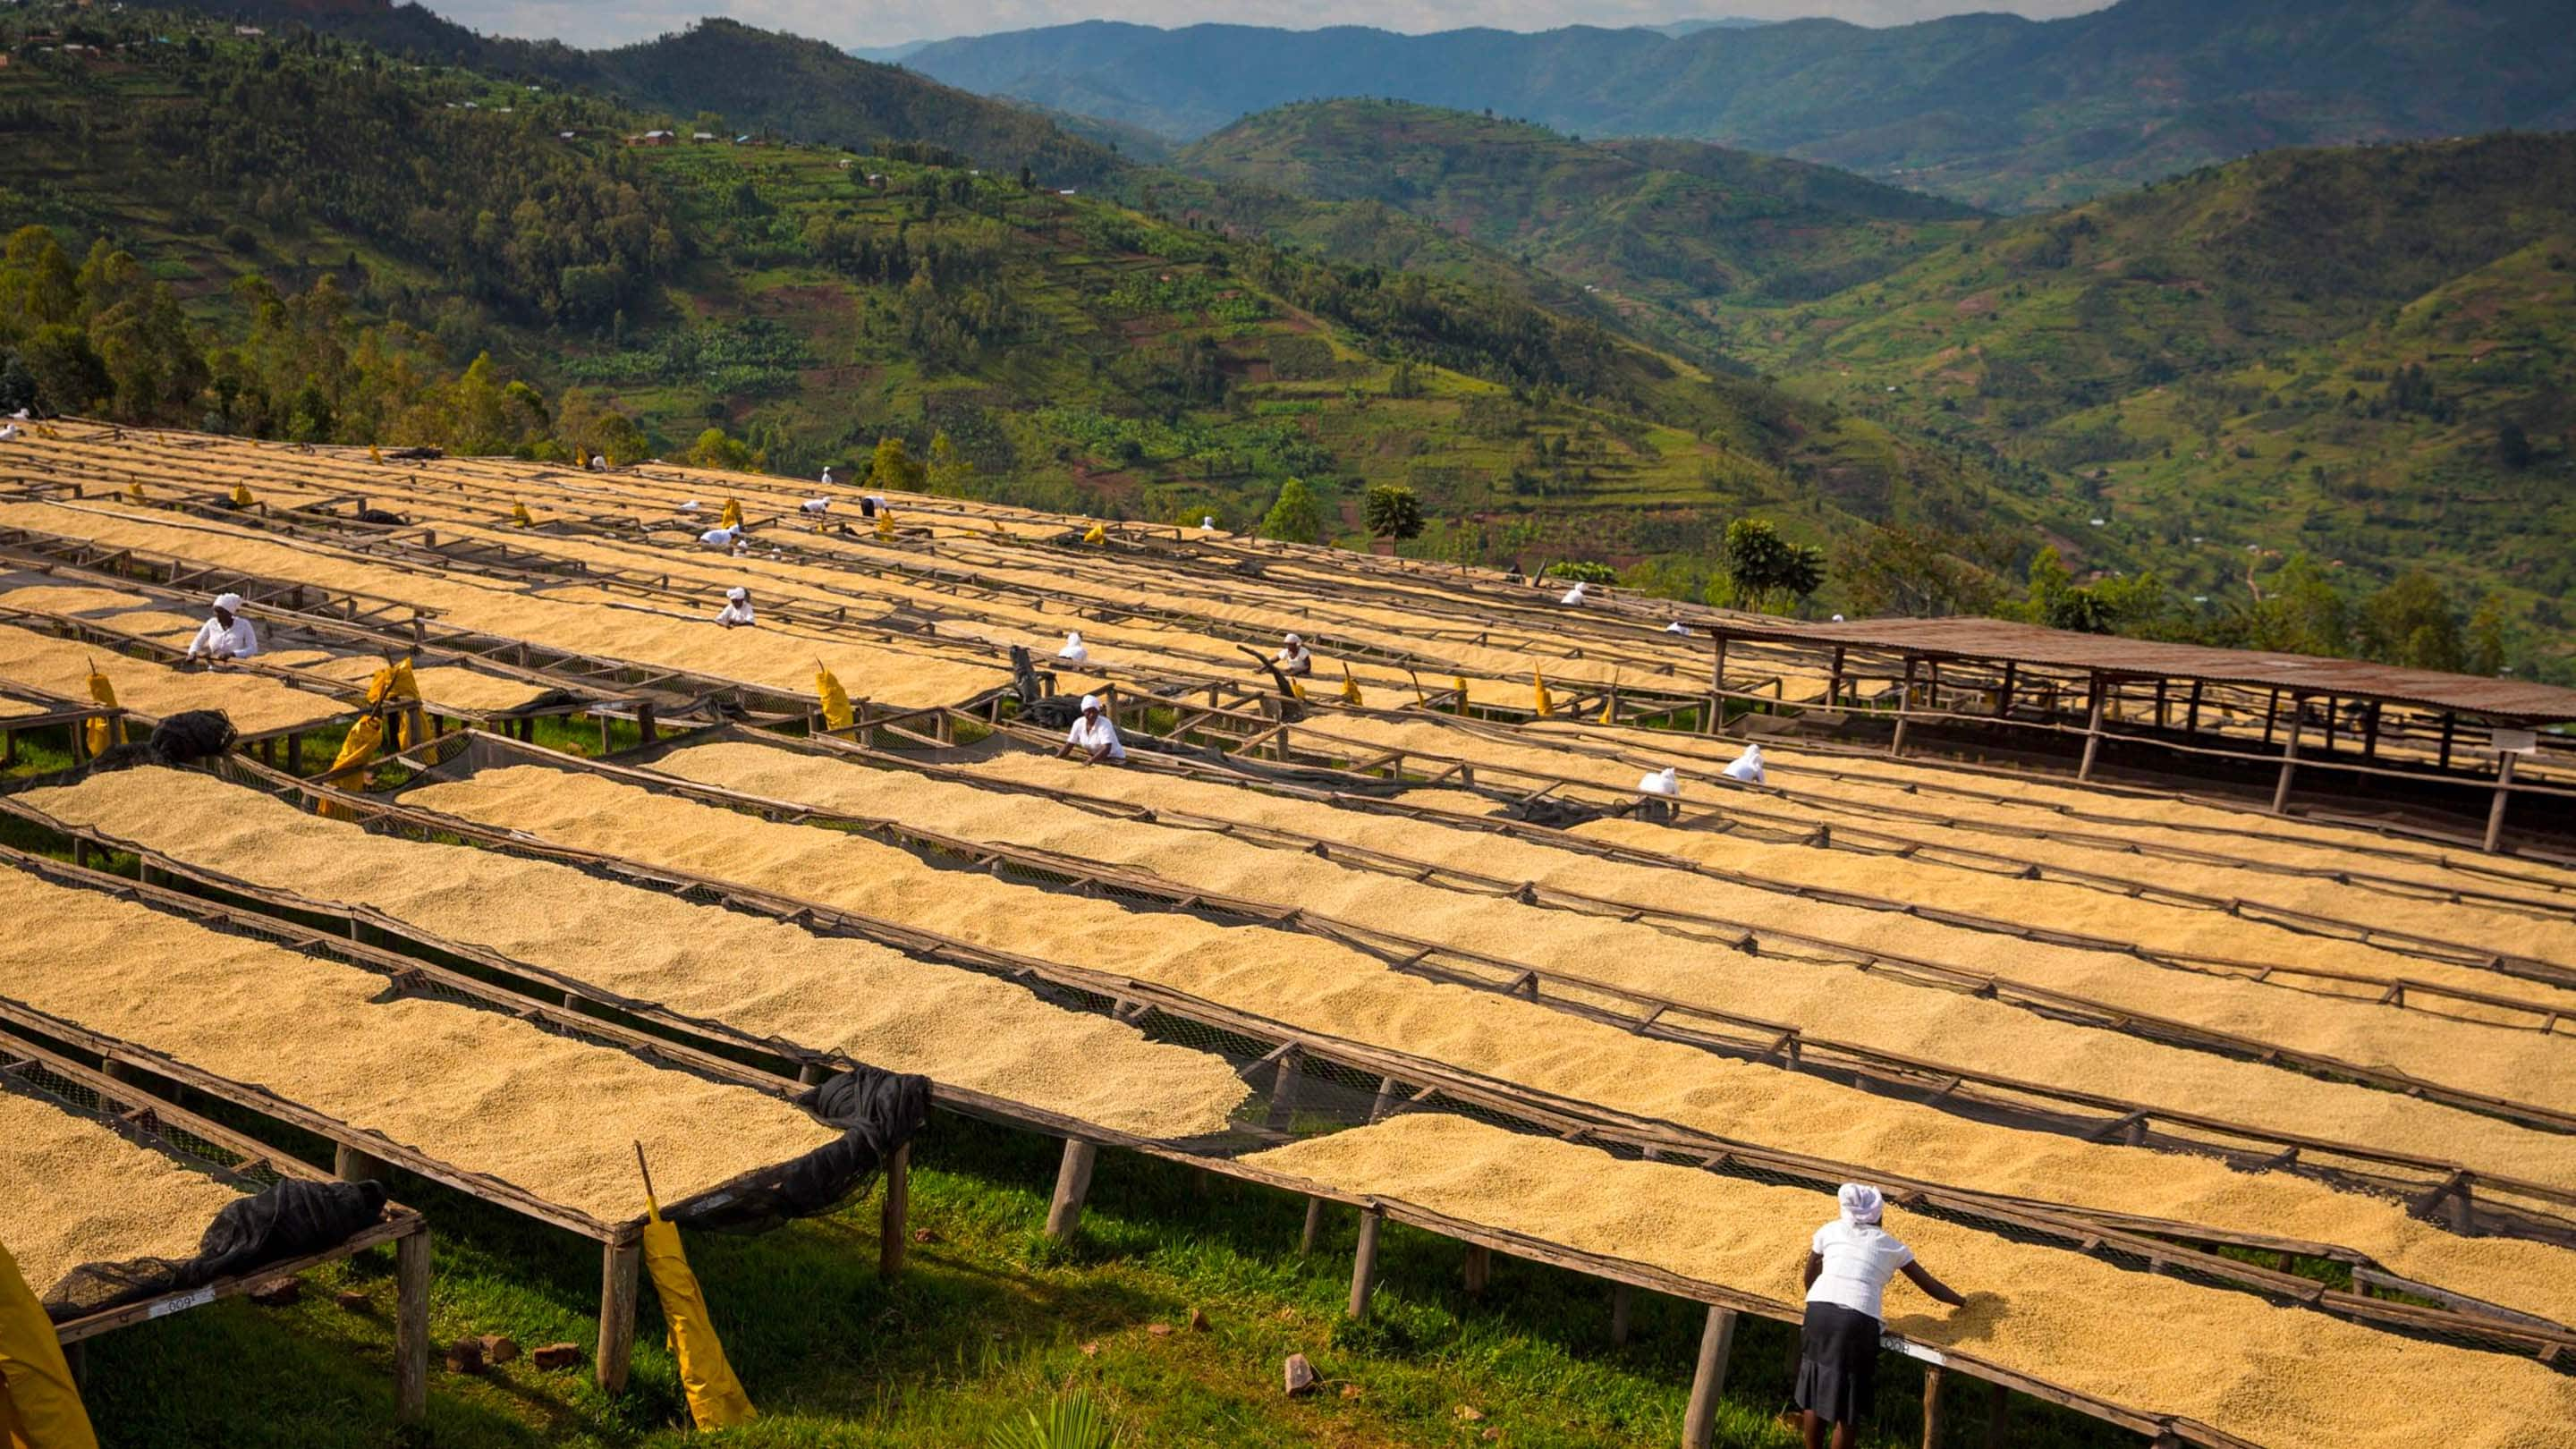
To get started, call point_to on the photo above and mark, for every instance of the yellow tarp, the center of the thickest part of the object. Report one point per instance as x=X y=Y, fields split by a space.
x=716 y=1399
x=393 y=682
x=355 y=751
x=40 y=1407
x=520 y=517
x=732 y=514
x=241 y=495
x=837 y=713
x=1350 y=688
x=1096 y=534
x=1538 y=689
x=102 y=733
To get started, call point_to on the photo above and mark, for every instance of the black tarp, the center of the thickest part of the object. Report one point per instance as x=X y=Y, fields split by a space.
x=287 y=1220
x=878 y=1111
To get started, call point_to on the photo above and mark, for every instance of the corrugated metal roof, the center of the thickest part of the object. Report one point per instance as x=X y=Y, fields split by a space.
x=2001 y=639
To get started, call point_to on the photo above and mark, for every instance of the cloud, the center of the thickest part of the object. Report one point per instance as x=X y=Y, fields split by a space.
x=878 y=22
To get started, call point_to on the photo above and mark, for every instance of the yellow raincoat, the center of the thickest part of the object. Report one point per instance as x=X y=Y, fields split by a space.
x=520 y=517
x=394 y=682
x=102 y=733
x=355 y=751
x=837 y=714
x=241 y=495
x=40 y=1406
x=1545 y=702
x=732 y=515
x=1350 y=688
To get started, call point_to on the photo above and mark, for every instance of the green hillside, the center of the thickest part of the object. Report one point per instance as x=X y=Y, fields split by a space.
x=1655 y=227
x=1047 y=348
x=2362 y=354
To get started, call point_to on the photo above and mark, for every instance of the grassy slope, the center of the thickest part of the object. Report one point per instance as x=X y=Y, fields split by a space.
x=2201 y=360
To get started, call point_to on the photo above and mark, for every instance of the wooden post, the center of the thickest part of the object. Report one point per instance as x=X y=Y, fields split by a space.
x=644 y=723
x=2191 y=712
x=2503 y=793
x=1387 y=1090
x=2330 y=724
x=2271 y=716
x=1283 y=1092
x=295 y=753
x=411 y=1326
x=1478 y=1269
x=2092 y=732
x=619 y=1265
x=1717 y=663
x=892 y=1232
x=1904 y=702
x=350 y=1165
x=2370 y=731
x=2004 y=696
x=1834 y=681
x=1716 y=1339
x=1999 y=1419
x=1314 y=1226
x=1364 y=1261
x=603 y=734
x=1932 y=1380
x=1622 y=1302
x=1072 y=1185
x=2450 y=727
x=2289 y=759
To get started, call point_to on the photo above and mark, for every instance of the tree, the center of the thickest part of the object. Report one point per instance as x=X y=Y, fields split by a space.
x=2486 y=642
x=1401 y=383
x=1392 y=511
x=1764 y=567
x=1296 y=517
x=70 y=377
x=2410 y=622
x=892 y=467
x=715 y=450
x=952 y=473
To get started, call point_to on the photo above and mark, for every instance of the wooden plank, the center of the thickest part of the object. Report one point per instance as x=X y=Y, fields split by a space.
x=1072 y=1185
x=411 y=1326
x=1364 y=1260
x=893 y=1229
x=620 y=1266
x=1708 y=1378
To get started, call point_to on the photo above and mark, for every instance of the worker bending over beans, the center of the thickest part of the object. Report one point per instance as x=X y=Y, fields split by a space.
x=1295 y=659
x=737 y=610
x=1093 y=736
x=1848 y=1264
x=226 y=636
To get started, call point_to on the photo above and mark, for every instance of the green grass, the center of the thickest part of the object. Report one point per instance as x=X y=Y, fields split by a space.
x=986 y=1321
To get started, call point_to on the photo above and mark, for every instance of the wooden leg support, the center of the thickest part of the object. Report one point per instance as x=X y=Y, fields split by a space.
x=350 y=1165
x=1479 y=1269
x=1716 y=1340
x=1622 y=1302
x=620 y=1264
x=893 y=1227
x=1999 y=1419
x=1072 y=1185
x=1314 y=1226
x=1932 y=1381
x=411 y=1326
x=1364 y=1262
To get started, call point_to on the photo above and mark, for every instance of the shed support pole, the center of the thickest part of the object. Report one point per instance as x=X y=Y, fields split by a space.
x=411 y=1326
x=1716 y=1339
x=1364 y=1261
x=2160 y=704
x=2289 y=763
x=1932 y=1380
x=2450 y=728
x=619 y=1265
x=1072 y=1185
x=1314 y=1228
x=2191 y=712
x=1904 y=703
x=893 y=1228
x=2271 y=716
x=2004 y=696
x=2370 y=731
x=645 y=724
x=2503 y=793
x=1834 y=682
x=1622 y=1304
x=2092 y=733
x=1717 y=664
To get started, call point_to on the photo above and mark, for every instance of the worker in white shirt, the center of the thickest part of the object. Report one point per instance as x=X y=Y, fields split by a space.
x=1656 y=794
x=1849 y=1263
x=827 y=475
x=737 y=610
x=1073 y=651
x=815 y=507
x=1295 y=660
x=1677 y=627
x=1747 y=768
x=728 y=539
x=1573 y=595
x=1093 y=736
x=226 y=636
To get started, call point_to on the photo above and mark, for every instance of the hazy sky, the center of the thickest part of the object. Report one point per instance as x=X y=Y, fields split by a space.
x=877 y=22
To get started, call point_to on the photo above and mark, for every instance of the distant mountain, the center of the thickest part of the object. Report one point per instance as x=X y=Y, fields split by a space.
x=1991 y=109
x=1679 y=28
x=889 y=54
x=754 y=79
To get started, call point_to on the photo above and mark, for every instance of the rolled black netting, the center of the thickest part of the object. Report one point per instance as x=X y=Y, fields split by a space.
x=878 y=1111
x=286 y=1220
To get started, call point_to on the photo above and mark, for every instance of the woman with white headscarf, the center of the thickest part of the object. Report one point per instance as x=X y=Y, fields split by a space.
x=1073 y=651
x=226 y=636
x=737 y=610
x=1573 y=595
x=1849 y=1262
x=1295 y=660
x=1747 y=767
x=1094 y=736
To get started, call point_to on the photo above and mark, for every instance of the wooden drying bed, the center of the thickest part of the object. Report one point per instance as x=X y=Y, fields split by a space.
x=193 y=1142
x=1293 y=1054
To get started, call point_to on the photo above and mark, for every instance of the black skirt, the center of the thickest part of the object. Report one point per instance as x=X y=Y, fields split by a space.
x=1838 y=1363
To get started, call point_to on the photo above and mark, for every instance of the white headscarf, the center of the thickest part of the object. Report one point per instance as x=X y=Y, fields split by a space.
x=1747 y=766
x=1073 y=651
x=1090 y=702
x=1294 y=641
x=1573 y=595
x=1207 y=521
x=1665 y=782
x=737 y=593
x=1838 y=618
x=1677 y=627
x=1862 y=1204
x=691 y=506
x=229 y=603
